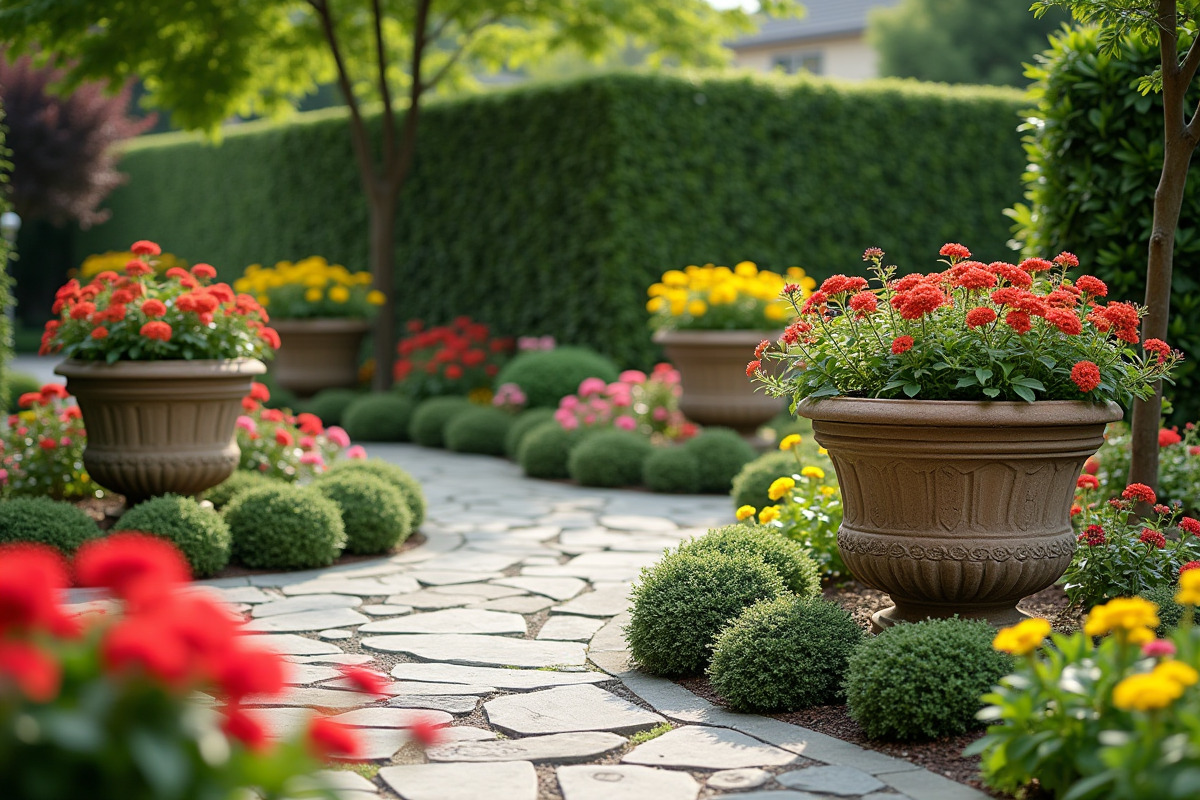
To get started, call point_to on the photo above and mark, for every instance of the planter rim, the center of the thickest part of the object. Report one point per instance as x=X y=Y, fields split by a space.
x=959 y=413
x=740 y=336
x=166 y=368
x=317 y=324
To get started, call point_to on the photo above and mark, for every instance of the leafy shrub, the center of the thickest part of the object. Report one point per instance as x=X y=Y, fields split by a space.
x=40 y=519
x=795 y=566
x=545 y=450
x=784 y=654
x=374 y=512
x=235 y=484
x=547 y=376
x=42 y=448
x=428 y=425
x=751 y=483
x=409 y=486
x=285 y=527
x=200 y=533
x=609 y=458
x=721 y=453
x=480 y=430
x=291 y=448
x=457 y=359
x=331 y=404
x=379 y=418
x=923 y=680
x=1169 y=612
x=810 y=512
x=672 y=470
x=525 y=422
x=17 y=384
x=682 y=602
x=647 y=404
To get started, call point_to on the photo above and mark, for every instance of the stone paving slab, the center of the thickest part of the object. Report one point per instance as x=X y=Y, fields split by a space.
x=554 y=588
x=512 y=780
x=509 y=679
x=306 y=621
x=697 y=747
x=479 y=650
x=560 y=748
x=737 y=779
x=623 y=782
x=567 y=709
x=312 y=602
x=451 y=620
x=379 y=717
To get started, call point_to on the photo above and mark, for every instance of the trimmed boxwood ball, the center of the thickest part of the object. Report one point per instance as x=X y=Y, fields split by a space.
x=389 y=473
x=784 y=654
x=609 y=458
x=45 y=521
x=200 y=533
x=672 y=470
x=1169 y=612
x=379 y=417
x=755 y=478
x=374 y=513
x=545 y=450
x=721 y=453
x=923 y=680
x=285 y=527
x=429 y=420
x=482 y=430
x=525 y=422
x=799 y=572
x=235 y=484
x=547 y=376
x=331 y=404
x=683 y=601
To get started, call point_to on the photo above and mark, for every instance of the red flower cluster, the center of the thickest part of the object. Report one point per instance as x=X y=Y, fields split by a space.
x=1189 y=565
x=1139 y=491
x=1153 y=538
x=901 y=345
x=1093 y=536
x=1190 y=525
x=1168 y=437
x=1087 y=482
x=1086 y=375
x=449 y=359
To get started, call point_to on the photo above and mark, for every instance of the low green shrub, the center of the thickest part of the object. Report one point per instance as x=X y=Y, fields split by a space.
x=525 y=422
x=924 y=680
x=235 y=484
x=545 y=450
x=200 y=533
x=15 y=385
x=1169 y=612
x=784 y=654
x=721 y=454
x=482 y=430
x=682 y=602
x=750 y=485
x=285 y=527
x=45 y=521
x=609 y=458
x=799 y=572
x=428 y=425
x=331 y=404
x=671 y=470
x=547 y=376
x=374 y=512
x=378 y=418
x=389 y=473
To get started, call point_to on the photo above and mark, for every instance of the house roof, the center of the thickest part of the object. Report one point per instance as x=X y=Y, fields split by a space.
x=822 y=18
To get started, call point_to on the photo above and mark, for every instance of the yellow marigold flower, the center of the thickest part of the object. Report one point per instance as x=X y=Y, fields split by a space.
x=674 y=277
x=655 y=304
x=813 y=472
x=747 y=269
x=27 y=416
x=790 y=441
x=822 y=451
x=768 y=514
x=1177 y=671
x=339 y=294
x=776 y=312
x=677 y=306
x=1146 y=692
x=376 y=297
x=1127 y=614
x=697 y=308
x=827 y=490
x=1139 y=636
x=264 y=301
x=313 y=295
x=1189 y=588
x=482 y=396
x=780 y=487
x=242 y=285
x=746 y=512
x=657 y=290
x=1022 y=638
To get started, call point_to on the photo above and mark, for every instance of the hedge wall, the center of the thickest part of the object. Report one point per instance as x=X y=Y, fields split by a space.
x=6 y=352
x=549 y=209
x=1096 y=155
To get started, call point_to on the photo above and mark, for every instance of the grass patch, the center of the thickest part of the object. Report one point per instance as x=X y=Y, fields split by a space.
x=653 y=733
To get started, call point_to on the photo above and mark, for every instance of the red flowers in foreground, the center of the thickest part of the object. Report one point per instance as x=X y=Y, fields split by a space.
x=1086 y=376
x=901 y=345
x=1139 y=491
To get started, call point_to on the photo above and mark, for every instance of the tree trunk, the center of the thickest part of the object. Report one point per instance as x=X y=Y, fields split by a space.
x=382 y=212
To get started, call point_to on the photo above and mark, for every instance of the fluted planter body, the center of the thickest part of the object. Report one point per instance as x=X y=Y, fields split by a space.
x=160 y=426
x=316 y=354
x=957 y=507
x=712 y=373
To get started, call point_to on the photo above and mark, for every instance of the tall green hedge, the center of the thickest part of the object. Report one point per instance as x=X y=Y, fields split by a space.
x=5 y=280
x=1095 y=147
x=575 y=197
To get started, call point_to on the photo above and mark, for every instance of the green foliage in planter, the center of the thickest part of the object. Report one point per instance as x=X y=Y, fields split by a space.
x=750 y=485
x=799 y=572
x=609 y=458
x=1095 y=155
x=200 y=533
x=721 y=453
x=683 y=601
x=285 y=527
x=1169 y=612
x=429 y=420
x=374 y=512
x=545 y=449
x=671 y=470
x=17 y=384
x=924 y=680
x=380 y=417
x=482 y=429
x=547 y=376
x=235 y=484
x=46 y=521
x=784 y=654
x=409 y=486
x=525 y=422
x=331 y=405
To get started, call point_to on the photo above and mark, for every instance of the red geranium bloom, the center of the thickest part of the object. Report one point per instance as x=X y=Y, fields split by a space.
x=901 y=345
x=1019 y=321
x=1036 y=265
x=249 y=405
x=157 y=330
x=1091 y=466
x=1065 y=259
x=259 y=392
x=54 y=390
x=1087 y=482
x=83 y=310
x=1168 y=437
x=239 y=725
x=1153 y=538
x=133 y=565
x=1190 y=525
x=270 y=336
x=328 y=738
x=48 y=443
x=34 y=673
x=401 y=369
x=366 y=681
x=283 y=438
x=153 y=308
x=863 y=302
x=980 y=316
x=1011 y=273
x=752 y=368
x=100 y=332
x=1093 y=536
x=1158 y=347
x=953 y=250
x=1091 y=285
x=204 y=271
x=454 y=372
x=426 y=732
x=1139 y=491
x=31 y=576
x=922 y=299
x=975 y=278
x=137 y=267
x=1065 y=321
x=273 y=415
x=310 y=424
x=1086 y=375
x=144 y=247
x=146 y=643
x=244 y=671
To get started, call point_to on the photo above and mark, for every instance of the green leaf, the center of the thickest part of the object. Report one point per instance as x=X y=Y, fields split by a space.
x=912 y=389
x=1024 y=392
x=1032 y=383
x=966 y=380
x=160 y=761
x=1088 y=787
x=991 y=391
x=983 y=375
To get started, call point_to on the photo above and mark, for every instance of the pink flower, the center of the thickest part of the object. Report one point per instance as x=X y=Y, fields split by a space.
x=307 y=443
x=3 y=476
x=356 y=452
x=660 y=413
x=312 y=459
x=338 y=436
x=247 y=424
x=546 y=342
x=590 y=386
x=1159 y=648
x=625 y=422
x=632 y=376
x=568 y=403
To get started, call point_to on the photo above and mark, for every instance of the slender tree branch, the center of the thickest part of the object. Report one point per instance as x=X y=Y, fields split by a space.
x=1169 y=53
x=389 y=120
x=437 y=32
x=1191 y=61
x=482 y=22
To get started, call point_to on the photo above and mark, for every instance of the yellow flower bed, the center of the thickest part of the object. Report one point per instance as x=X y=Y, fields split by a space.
x=311 y=287
x=719 y=298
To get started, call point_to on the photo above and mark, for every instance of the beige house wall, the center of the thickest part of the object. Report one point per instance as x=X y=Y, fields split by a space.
x=847 y=57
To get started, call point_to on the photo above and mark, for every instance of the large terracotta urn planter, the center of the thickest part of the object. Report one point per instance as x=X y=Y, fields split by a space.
x=957 y=507
x=712 y=372
x=316 y=354
x=160 y=426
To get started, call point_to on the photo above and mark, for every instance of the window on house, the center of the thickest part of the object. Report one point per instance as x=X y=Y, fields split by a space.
x=803 y=61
